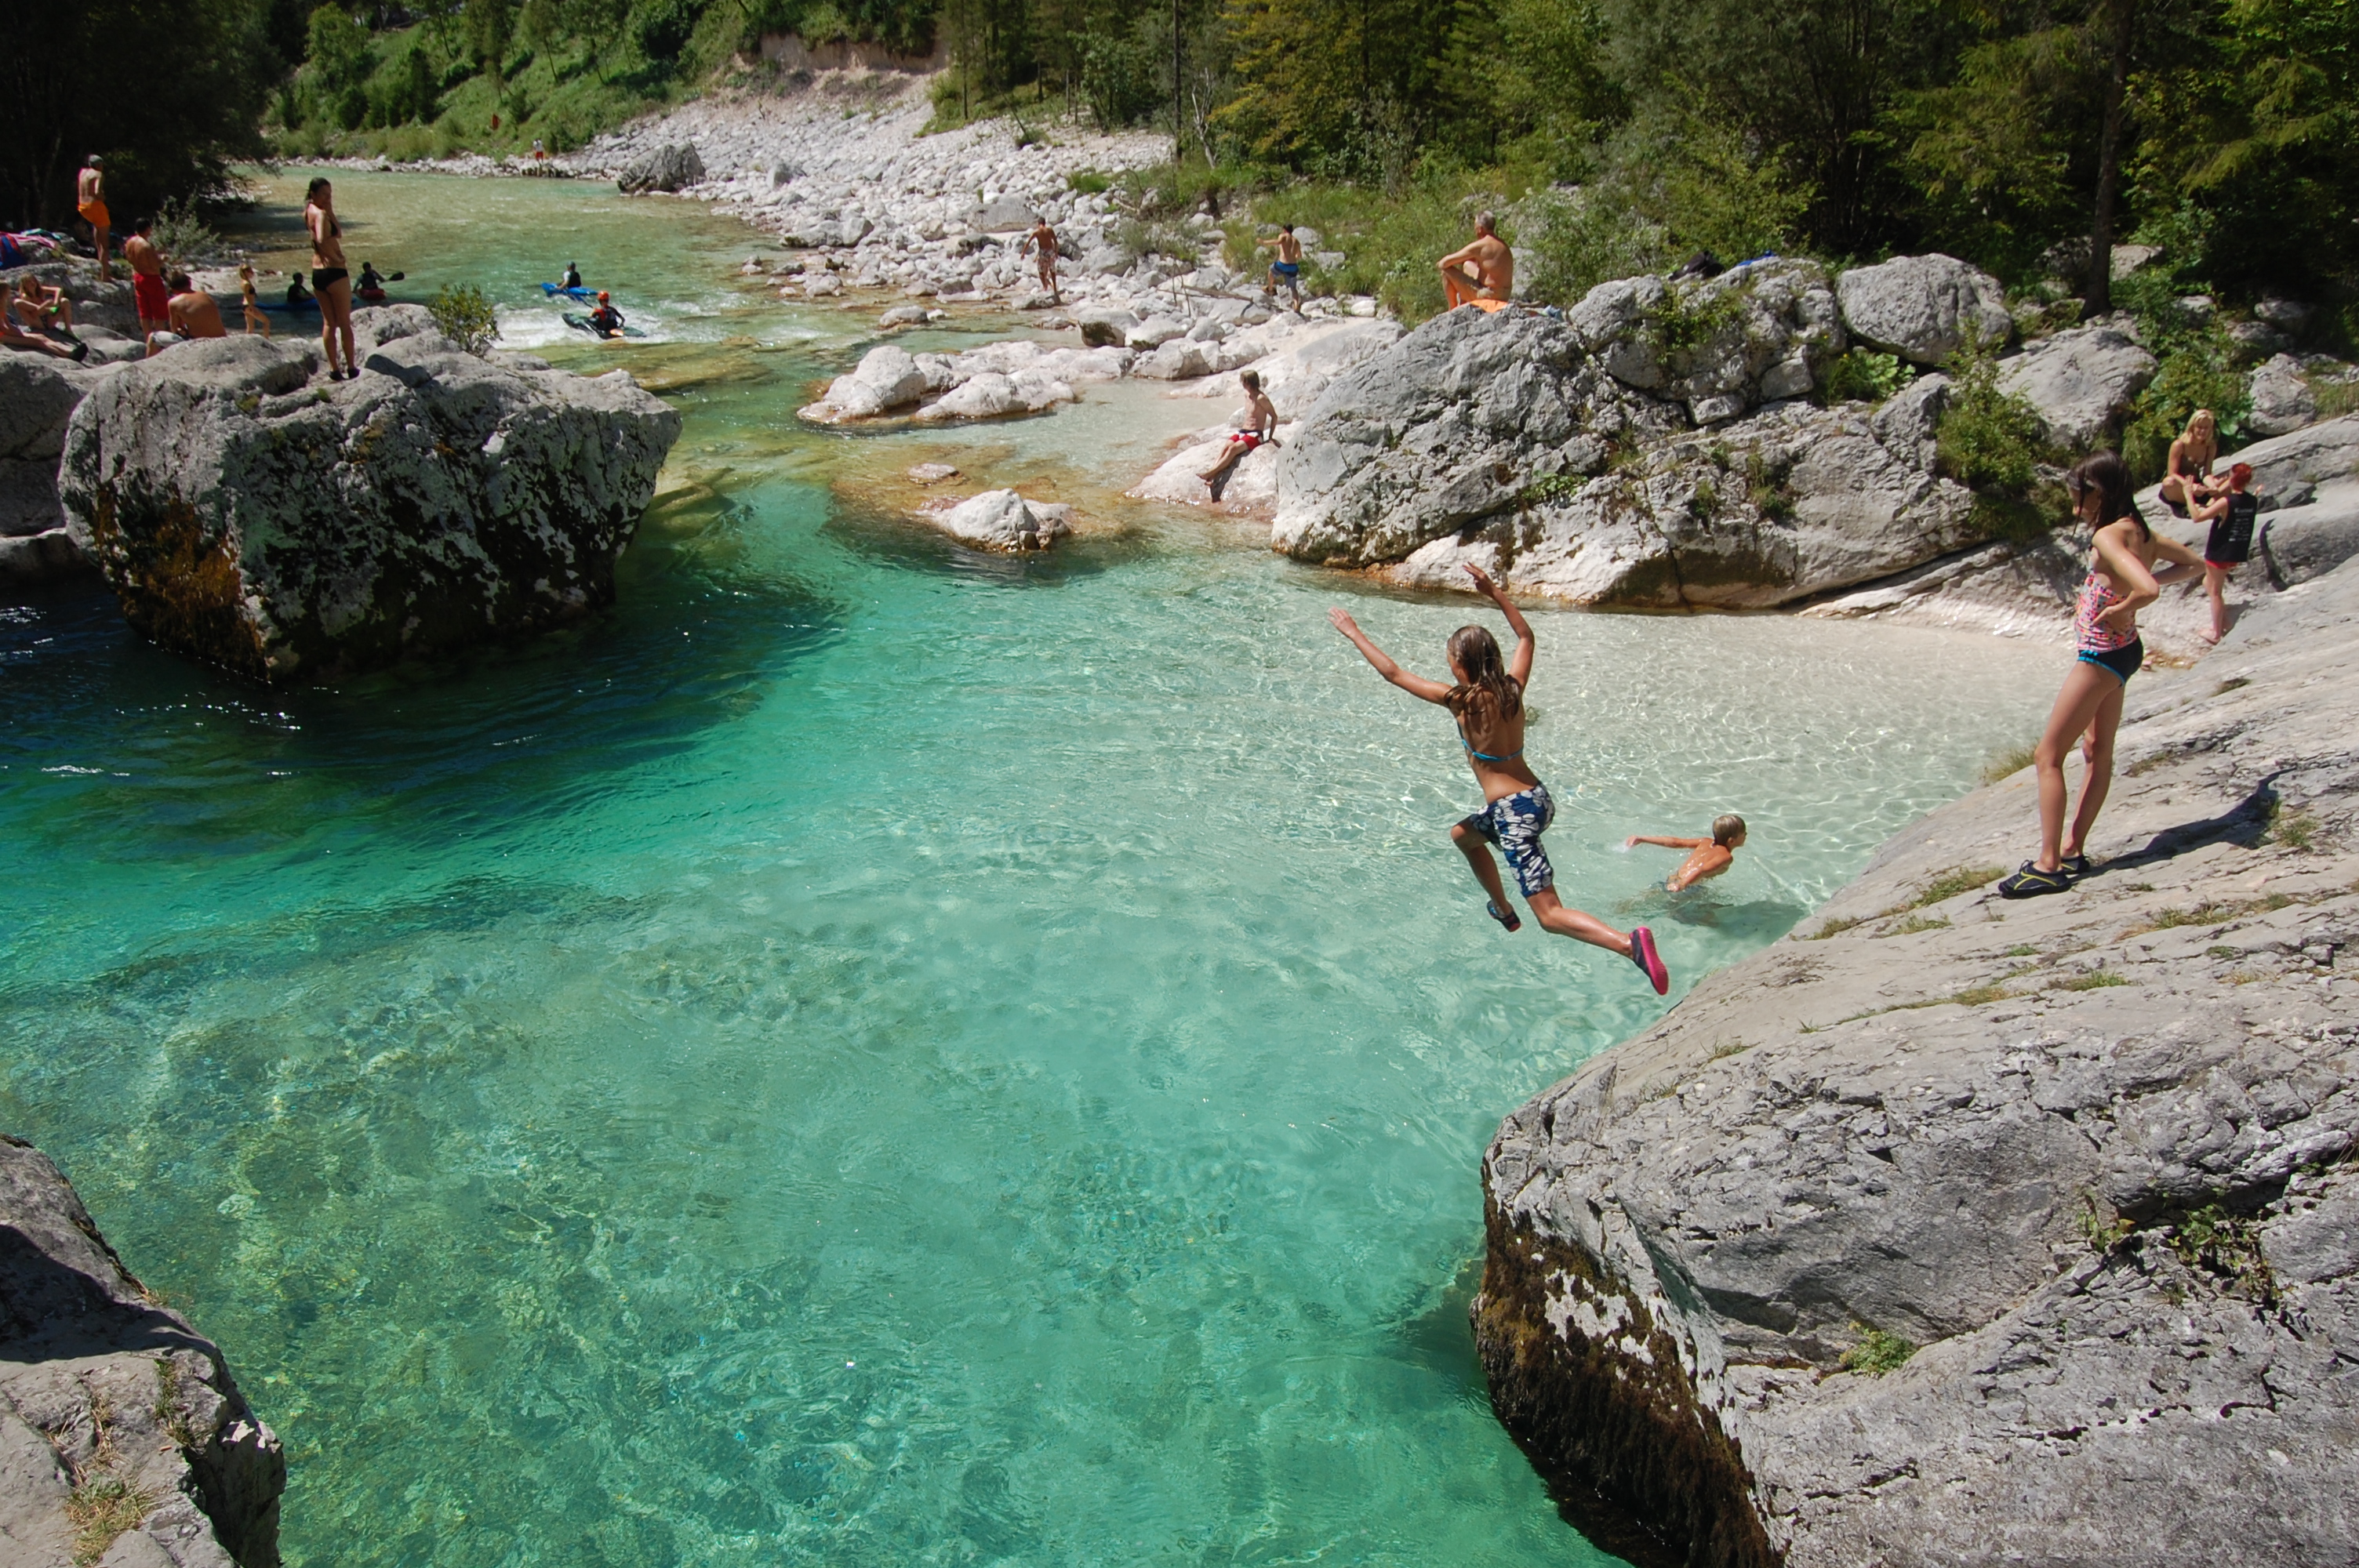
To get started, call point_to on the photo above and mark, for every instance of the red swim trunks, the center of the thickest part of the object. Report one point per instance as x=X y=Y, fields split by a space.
x=1250 y=438
x=155 y=301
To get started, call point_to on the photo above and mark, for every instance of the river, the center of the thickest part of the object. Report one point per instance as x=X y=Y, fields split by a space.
x=867 y=1053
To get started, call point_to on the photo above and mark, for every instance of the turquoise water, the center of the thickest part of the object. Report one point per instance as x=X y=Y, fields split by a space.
x=870 y=1053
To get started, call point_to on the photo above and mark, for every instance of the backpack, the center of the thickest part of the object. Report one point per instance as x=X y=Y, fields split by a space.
x=2231 y=533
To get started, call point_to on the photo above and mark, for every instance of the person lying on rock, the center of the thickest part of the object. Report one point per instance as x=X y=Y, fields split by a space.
x=1482 y=275
x=192 y=312
x=13 y=336
x=1487 y=702
x=2121 y=581
x=1260 y=430
x=2232 y=513
x=1706 y=858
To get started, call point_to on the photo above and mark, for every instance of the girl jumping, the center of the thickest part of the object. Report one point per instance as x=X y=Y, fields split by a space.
x=1488 y=705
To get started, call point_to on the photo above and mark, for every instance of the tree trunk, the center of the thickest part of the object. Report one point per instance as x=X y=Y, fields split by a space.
x=2100 y=296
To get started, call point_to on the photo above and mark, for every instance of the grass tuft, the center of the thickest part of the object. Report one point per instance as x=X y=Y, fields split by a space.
x=2095 y=979
x=1877 y=1352
x=1916 y=923
x=2006 y=763
x=1948 y=884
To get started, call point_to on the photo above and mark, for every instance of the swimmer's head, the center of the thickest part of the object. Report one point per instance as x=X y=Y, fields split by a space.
x=1485 y=688
x=1252 y=380
x=1728 y=830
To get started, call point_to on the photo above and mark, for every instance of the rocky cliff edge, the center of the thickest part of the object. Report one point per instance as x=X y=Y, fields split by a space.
x=1950 y=1230
x=124 y=1442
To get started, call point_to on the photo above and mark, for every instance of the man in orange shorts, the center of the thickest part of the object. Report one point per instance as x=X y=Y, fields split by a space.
x=90 y=201
x=1482 y=275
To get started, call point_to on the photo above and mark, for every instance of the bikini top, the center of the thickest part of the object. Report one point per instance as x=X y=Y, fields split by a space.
x=1485 y=756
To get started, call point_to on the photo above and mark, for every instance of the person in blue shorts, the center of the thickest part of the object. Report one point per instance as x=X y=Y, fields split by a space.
x=1487 y=702
x=1286 y=270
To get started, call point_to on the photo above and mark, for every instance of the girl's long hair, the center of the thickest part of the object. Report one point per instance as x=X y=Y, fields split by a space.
x=311 y=192
x=2105 y=473
x=1489 y=693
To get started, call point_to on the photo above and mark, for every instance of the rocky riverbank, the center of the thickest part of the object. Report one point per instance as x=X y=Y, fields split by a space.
x=1954 y=1230
x=123 y=1441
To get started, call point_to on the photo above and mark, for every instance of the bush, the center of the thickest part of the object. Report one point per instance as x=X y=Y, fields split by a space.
x=1988 y=440
x=466 y=316
x=1864 y=377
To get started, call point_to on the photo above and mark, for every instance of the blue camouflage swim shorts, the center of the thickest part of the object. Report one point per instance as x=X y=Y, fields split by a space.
x=1515 y=823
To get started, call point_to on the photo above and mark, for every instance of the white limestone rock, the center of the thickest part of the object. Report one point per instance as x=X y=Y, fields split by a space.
x=1001 y=520
x=2082 y=381
x=1924 y=309
x=2282 y=401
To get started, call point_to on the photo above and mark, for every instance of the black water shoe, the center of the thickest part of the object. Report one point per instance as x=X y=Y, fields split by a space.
x=2031 y=882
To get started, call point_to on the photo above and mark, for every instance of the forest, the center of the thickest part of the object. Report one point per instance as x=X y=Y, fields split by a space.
x=1618 y=134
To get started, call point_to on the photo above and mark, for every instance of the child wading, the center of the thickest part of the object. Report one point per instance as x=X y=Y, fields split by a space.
x=1488 y=704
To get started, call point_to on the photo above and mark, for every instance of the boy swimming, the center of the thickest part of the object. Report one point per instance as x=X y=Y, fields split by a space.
x=1707 y=857
x=1488 y=705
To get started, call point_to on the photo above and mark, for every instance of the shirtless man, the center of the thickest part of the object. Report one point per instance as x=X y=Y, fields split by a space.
x=147 y=290
x=90 y=199
x=1043 y=239
x=1288 y=268
x=1260 y=430
x=193 y=312
x=15 y=336
x=1707 y=857
x=1483 y=272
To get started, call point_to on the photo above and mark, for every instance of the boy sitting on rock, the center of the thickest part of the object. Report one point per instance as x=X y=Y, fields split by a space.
x=1708 y=857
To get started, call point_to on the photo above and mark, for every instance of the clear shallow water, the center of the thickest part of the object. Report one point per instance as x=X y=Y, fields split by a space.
x=870 y=1053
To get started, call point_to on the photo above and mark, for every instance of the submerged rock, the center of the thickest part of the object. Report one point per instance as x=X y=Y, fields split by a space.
x=103 y=1386
x=251 y=513
x=1972 y=1232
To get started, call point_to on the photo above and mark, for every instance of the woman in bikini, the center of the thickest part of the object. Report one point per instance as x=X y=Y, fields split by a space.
x=331 y=281
x=255 y=321
x=2188 y=482
x=2121 y=583
x=1488 y=704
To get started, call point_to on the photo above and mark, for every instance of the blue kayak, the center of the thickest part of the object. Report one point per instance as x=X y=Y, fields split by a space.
x=552 y=290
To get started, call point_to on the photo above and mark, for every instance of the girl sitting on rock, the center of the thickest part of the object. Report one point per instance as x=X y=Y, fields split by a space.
x=1488 y=704
x=2121 y=581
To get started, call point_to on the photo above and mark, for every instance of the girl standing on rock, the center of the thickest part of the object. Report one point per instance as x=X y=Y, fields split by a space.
x=1488 y=705
x=2121 y=581
x=331 y=282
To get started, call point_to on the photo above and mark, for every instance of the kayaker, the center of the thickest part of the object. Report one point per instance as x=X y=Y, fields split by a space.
x=606 y=321
x=572 y=276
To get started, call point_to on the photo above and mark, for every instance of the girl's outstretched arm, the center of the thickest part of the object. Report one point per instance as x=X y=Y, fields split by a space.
x=1520 y=663
x=1636 y=838
x=1416 y=686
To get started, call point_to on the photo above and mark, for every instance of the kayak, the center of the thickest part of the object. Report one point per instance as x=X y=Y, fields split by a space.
x=371 y=297
x=553 y=290
x=581 y=324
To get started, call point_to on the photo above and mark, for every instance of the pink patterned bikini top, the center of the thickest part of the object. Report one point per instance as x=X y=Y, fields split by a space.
x=2094 y=636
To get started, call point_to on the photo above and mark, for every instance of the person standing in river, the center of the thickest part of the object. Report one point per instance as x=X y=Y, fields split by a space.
x=1483 y=274
x=332 y=281
x=1043 y=241
x=90 y=201
x=1487 y=703
x=2121 y=583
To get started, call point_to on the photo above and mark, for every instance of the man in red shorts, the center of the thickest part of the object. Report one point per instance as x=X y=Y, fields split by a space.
x=147 y=290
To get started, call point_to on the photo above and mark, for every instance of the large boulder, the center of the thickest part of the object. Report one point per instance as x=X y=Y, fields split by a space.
x=989 y=395
x=1924 y=309
x=2282 y=401
x=105 y=1391
x=37 y=397
x=2082 y=381
x=1955 y=1232
x=1756 y=334
x=673 y=166
x=1001 y=520
x=885 y=378
x=250 y=513
x=1253 y=485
